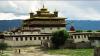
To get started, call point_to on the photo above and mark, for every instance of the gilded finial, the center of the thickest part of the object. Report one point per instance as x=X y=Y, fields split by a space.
x=55 y=10
x=43 y=5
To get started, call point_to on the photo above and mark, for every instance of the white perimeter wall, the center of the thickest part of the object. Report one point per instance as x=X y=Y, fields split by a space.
x=24 y=42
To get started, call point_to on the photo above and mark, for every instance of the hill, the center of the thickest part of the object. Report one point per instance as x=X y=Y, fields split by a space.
x=9 y=24
x=78 y=24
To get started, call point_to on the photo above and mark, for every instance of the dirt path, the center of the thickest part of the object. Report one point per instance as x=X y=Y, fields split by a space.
x=29 y=51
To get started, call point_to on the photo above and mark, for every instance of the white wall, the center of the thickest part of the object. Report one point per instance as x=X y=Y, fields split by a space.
x=51 y=29
x=80 y=38
x=25 y=42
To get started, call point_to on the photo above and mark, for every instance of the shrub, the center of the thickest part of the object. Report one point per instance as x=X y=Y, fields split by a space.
x=3 y=46
x=89 y=30
x=98 y=31
x=79 y=30
x=59 y=38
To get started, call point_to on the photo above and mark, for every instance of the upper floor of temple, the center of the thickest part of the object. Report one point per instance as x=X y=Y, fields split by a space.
x=43 y=13
x=43 y=17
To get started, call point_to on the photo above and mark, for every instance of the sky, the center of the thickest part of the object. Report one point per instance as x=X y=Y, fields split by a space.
x=72 y=10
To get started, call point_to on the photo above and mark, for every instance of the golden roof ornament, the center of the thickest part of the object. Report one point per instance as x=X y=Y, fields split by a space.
x=43 y=5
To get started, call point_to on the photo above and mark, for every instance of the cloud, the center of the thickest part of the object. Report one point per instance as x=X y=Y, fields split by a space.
x=73 y=10
x=10 y=16
x=13 y=4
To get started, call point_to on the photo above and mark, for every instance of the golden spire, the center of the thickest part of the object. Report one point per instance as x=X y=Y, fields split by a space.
x=43 y=5
x=55 y=10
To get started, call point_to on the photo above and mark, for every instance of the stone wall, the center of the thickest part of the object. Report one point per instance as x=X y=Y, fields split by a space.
x=97 y=51
x=83 y=45
x=68 y=44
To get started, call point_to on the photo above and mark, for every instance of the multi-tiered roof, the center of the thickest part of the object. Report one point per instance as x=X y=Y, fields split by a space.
x=43 y=18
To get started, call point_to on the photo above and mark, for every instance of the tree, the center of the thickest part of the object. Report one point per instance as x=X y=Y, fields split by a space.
x=98 y=31
x=89 y=30
x=79 y=30
x=3 y=46
x=59 y=38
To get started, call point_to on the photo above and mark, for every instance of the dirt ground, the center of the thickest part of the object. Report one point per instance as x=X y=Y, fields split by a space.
x=27 y=51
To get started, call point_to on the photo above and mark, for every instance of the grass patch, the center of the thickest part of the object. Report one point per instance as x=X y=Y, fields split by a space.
x=4 y=54
x=72 y=52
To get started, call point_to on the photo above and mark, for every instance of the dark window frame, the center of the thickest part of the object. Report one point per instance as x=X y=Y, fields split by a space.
x=34 y=38
x=16 y=39
x=43 y=37
x=39 y=38
x=30 y=38
x=25 y=38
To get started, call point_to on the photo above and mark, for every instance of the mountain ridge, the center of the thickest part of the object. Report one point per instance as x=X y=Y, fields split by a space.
x=78 y=24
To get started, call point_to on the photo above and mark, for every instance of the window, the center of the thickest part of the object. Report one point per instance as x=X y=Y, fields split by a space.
x=85 y=36
x=21 y=38
x=34 y=38
x=78 y=36
x=47 y=38
x=30 y=38
x=16 y=39
x=25 y=38
x=71 y=37
x=39 y=38
x=75 y=36
x=43 y=37
x=51 y=28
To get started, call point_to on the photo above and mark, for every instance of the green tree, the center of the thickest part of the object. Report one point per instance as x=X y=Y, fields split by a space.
x=79 y=30
x=89 y=30
x=98 y=31
x=59 y=38
x=3 y=46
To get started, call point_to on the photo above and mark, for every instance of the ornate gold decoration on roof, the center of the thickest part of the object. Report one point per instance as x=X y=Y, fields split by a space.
x=43 y=12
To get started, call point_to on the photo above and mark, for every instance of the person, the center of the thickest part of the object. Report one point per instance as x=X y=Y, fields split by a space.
x=19 y=50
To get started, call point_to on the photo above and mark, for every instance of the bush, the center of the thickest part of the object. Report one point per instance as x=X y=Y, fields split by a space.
x=98 y=31
x=3 y=46
x=79 y=30
x=89 y=30
x=59 y=38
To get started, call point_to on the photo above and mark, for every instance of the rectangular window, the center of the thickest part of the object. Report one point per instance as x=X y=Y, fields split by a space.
x=43 y=37
x=85 y=36
x=75 y=36
x=39 y=38
x=30 y=38
x=16 y=39
x=47 y=38
x=71 y=37
x=78 y=36
x=21 y=38
x=34 y=38
x=25 y=38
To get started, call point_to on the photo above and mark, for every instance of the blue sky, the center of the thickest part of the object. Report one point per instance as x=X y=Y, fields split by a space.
x=73 y=10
